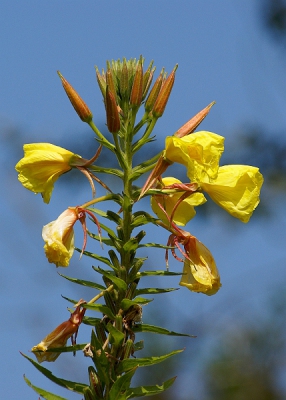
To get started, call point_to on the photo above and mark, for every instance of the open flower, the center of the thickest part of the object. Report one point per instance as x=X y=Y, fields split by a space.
x=175 y=207
x=236 y=189
x=59 y=336
x=42 y=165
x=200 y=152
x=200 y=273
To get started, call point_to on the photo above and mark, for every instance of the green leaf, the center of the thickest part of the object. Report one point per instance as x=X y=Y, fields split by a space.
x=157 y=245
x=129 y=363
x=119 y=283
x=100 y=308
x=126 y=303
x=43 y=393
x=154 y=290
x=142 y=391
x=84 y=283
x=157 y=329
x=131 y=245
x=117 y=337
x=159 y=273
x=67 y=349
x=73 y=386
x=121 y=386
x=91 y=321
x=96 y=256
x=142 y=218
x=94 y=307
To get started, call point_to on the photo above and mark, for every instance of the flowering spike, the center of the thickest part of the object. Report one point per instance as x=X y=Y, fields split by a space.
x=163 y=97
x=137 y=87
x=112 y=114
x=194 y=122
x=78 y=104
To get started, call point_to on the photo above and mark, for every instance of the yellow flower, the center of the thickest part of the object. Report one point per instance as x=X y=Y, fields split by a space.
x=59 y=238
x=236 y=189
x=42 y=165
x=200 y=152
x=185 y=210
x=59 y=337
x=200 y=273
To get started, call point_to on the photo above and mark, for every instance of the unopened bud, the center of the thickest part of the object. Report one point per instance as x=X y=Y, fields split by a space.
x=154 y=92
x=78 y=104
x=110 y=80
x=112 y=114
x=137 y=87
x=147 y=79
x=101 y=82
x=194 y=122
x=124 y=80
x=163 y=97
x=95 y=384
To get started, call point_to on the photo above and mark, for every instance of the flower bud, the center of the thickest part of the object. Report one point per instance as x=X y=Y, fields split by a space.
x=154 y=92
x=124 y=80
x=147 y=79
x=78 y=104
x=137 y=87
x=163 y=97
x=110 y=80
x=194 y=122
x=101 y=82
x=112 y=114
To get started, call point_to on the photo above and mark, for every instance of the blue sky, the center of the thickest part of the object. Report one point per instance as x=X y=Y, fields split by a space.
x=223 y=55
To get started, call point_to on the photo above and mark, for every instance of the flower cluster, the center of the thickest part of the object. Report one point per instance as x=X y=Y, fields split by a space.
x=235 y=188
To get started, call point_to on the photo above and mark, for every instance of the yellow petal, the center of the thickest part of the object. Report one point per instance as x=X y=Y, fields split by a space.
x=200 y=152
x=236 y=189
x=59 y=238
x=185 y=211
x=41 y=166
x=200 y=274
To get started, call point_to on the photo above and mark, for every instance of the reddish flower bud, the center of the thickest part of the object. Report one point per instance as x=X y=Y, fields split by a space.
x=112 y=114
x=147 y=79
x=110 y=80
x=137 y=87
x=78 y=104
x=194 y=122
x=154 y=92
x=163 y=97
x=124 y=80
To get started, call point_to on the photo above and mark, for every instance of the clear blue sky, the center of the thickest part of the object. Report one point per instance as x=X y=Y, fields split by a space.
x=223 y=55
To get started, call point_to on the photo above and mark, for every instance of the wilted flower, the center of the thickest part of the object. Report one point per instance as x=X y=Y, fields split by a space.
x=59 y=235
x=42 y=165
x=200 y=273
x=59 y=336
x=59 y=238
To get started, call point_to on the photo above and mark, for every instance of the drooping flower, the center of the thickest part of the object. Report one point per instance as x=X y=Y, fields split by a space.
x=59 y=336
x=59 y=238
x=59 y=235
x=200 y=273
x=173 y=206
x=236 y=189
x=42 y=165
x=200 y=152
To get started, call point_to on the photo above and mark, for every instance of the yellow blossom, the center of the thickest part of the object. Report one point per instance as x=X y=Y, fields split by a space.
x=185 y=210
x=236 y=189
x=59 y=238
x=59 y=337
x=200 y=273
x=42 y=165
x=200 y=152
